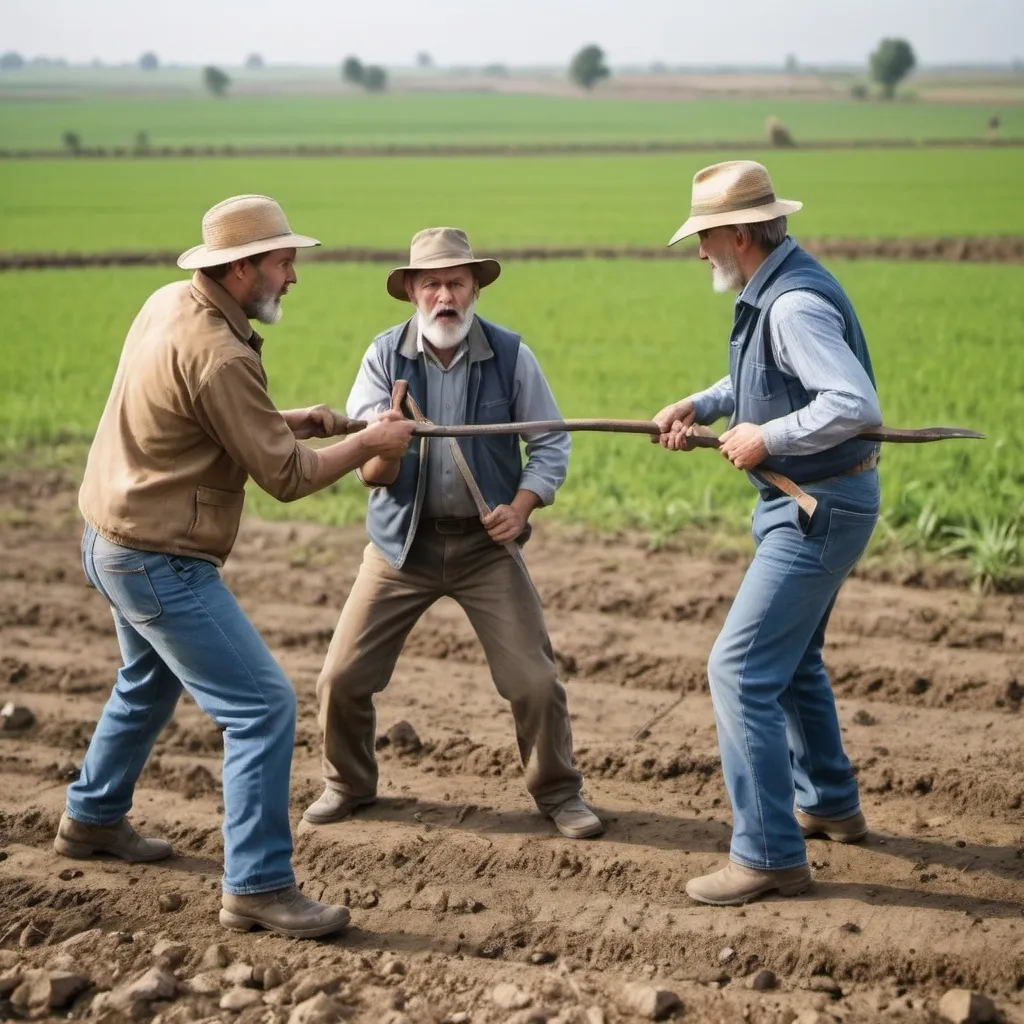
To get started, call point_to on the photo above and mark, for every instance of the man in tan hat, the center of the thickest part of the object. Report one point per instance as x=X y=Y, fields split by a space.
x=799 y=389
x=187 y=422
x=430 y=539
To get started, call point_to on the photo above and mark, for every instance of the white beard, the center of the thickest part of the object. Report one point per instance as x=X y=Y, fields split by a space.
x=727 y=275
x=446 y=334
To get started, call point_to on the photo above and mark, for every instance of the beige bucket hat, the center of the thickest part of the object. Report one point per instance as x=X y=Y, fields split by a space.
x=434 y=248
x=734 y=192
x=242 y=226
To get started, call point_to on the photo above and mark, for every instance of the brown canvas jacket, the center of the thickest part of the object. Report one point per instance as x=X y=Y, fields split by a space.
x=188 y=420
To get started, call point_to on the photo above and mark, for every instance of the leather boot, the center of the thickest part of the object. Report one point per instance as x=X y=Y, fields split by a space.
x=840 y=830
x=80 y=841
x=734 y=884
x=285 y=911
x=334 y=806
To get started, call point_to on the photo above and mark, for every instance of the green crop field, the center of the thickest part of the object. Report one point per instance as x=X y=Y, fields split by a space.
x=617 y=338
x=60 y=205
x=437 y=119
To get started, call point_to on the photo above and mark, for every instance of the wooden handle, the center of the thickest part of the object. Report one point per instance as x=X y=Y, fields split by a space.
x=398 y=393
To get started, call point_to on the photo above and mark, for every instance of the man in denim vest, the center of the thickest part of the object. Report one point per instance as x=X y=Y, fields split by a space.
x=429 y=539
x=799 y=390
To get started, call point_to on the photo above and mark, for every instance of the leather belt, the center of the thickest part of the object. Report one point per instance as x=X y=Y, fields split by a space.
x=452 y=526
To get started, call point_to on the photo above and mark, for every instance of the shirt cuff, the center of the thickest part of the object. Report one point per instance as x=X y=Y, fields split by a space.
x=775 y=436
x=536 y=483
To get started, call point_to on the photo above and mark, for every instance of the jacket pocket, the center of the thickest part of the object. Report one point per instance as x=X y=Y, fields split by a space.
x=130 y=590
x=215 y=522
x=847 y=537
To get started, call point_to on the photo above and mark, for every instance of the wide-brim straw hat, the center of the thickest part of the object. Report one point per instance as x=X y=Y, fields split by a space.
x=242 y=226
x=734 y=192
x=437 y=248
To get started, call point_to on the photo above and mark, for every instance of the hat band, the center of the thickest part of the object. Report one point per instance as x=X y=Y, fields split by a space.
x=705 y=209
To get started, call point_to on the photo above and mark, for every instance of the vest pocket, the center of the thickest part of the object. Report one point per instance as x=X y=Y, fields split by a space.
x=496 y=411
x=847 y=537
x=763 y=382
x=215 y=522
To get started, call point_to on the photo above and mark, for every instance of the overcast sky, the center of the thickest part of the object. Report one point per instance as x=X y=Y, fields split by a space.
x=513 y=32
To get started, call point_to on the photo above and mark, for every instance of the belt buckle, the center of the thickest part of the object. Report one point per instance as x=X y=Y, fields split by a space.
x=450 y=527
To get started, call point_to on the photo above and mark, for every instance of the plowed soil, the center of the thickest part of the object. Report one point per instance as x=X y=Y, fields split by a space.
x=455 y=883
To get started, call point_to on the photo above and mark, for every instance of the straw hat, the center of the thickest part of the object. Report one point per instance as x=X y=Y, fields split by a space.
x=434 y=248
x=734 y=192
x=242 y=226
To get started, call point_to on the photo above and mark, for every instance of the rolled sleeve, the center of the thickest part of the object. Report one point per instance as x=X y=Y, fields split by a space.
x=809 y=343
x=234 y=408
x=547 y=453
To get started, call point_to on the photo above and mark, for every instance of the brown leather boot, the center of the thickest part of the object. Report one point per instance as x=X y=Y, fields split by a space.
x=734 y=884
x=80 y=841
x=334 y=806
x=285 y=911
x=840 y=830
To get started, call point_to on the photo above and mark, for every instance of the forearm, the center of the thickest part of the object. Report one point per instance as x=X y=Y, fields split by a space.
x=714 y=402
x=380 y=472
x=826 y=421
x=335 y=461
x=293 y=417
x=525 y=502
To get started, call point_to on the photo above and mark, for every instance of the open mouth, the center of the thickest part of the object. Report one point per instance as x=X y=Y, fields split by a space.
x=447 y=314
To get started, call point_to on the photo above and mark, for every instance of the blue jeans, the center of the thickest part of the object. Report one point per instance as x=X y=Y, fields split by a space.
x=179 y=626
x=778 y=729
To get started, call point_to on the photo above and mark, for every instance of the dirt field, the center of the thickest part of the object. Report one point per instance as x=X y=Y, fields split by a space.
x=456 y=885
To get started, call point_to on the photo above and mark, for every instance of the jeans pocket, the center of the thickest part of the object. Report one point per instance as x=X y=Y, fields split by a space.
x=847 y=537
x=130 y=590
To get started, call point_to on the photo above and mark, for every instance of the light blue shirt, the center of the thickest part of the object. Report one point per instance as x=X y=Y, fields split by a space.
x=808 y=342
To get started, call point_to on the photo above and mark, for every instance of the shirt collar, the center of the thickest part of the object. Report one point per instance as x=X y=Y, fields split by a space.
x=210 y=293
x=751 y=292
x=476 y=343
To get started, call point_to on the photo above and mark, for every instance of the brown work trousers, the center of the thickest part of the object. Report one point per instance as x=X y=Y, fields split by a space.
x=505 y=611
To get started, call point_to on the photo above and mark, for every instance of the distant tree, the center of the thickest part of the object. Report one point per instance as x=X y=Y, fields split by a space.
x=424 y=60
x=891 y=63
x=993 y=126
x=588 y=67
x=72 y=141
x=142 y=142
x=11 y=61
x=149 y=62
x=495 y=71
x=859 y=91
x=792 y=64
x=215 y=80
x=659 y=67
x=254 y=62
x=375 y=78
x=352 y=71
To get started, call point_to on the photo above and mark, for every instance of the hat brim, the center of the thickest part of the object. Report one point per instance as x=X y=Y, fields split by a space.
x=487 y=272
x=200 y=256
x=754 y=215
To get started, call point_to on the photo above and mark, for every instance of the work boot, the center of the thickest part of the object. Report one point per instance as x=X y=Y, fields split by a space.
x=334 y=806
x=575 y=820
x=840 y=830
x=80 y=841
x=734 y=884
x=285 y=911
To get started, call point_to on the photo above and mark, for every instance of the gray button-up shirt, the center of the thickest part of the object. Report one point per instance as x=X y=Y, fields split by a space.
x=808 y=342
x=446 y=495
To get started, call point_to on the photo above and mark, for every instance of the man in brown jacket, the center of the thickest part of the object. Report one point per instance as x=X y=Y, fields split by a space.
x=188 y=421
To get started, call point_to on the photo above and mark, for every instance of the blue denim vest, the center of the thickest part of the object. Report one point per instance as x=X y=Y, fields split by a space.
x=763 y=392
x=495 y=461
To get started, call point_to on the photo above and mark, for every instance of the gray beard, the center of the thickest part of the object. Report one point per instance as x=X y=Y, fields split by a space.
x=444 y=335
x=727 y=275
x=264 y=306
